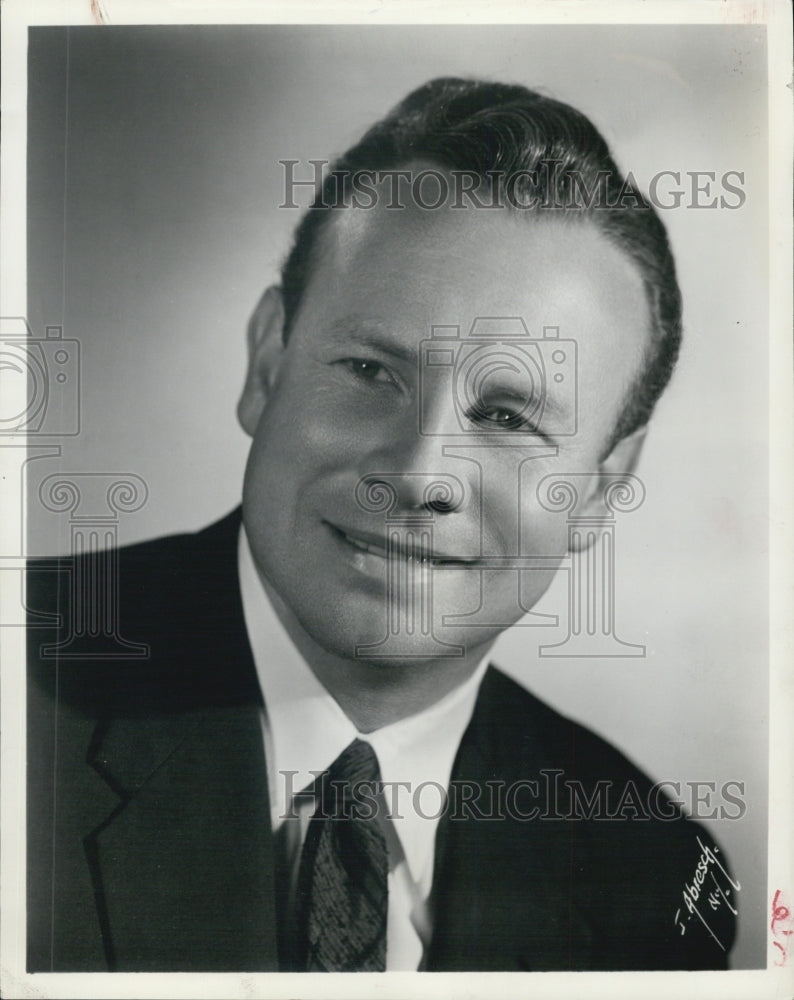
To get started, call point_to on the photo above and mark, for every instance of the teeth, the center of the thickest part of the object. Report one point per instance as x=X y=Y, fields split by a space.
x=375 y=550
x=379 y=550
x=359 y=545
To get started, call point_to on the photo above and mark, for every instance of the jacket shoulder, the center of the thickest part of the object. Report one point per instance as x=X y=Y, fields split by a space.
x=585 y=825
x=154 y=626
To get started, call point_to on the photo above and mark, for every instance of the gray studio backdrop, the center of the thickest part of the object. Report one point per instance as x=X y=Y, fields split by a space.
x=154 y=187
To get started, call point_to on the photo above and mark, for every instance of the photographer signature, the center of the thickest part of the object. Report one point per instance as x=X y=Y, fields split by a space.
x=706 y=892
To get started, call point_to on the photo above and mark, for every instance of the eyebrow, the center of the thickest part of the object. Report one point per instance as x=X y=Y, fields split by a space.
x=549 y=400
x=371 y=334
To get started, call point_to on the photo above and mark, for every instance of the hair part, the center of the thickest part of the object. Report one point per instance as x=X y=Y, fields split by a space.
x=498 y=130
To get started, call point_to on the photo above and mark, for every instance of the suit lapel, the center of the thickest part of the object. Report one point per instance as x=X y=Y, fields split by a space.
x=502 y=890
x=183 y=867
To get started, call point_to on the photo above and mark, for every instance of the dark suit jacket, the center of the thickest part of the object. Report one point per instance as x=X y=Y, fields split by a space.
x=149 y=837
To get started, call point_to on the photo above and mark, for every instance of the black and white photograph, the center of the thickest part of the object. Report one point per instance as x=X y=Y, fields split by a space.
x=396 y=466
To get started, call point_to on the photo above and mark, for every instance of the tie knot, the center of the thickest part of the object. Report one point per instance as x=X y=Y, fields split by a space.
x=349 y=789
x=357 y=762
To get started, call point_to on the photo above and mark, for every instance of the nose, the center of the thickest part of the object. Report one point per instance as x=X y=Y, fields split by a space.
x=413 y=469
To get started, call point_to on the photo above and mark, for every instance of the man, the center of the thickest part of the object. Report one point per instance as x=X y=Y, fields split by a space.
x=249 y=798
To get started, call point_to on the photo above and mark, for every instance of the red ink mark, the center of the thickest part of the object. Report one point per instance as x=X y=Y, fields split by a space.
x=781 y=926
x=98 y=13
x=779 y=912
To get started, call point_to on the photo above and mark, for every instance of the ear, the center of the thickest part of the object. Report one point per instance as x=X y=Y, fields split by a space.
x=622 y=460
x=265 y=350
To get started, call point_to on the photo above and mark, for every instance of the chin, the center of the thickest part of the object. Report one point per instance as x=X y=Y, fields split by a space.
x=367 y=640
x=362 y=635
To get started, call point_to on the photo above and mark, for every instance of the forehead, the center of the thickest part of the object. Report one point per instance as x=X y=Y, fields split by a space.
x=460 y=264
x=404 y=270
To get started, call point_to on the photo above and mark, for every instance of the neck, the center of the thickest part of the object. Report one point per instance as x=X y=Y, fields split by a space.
x=376 y=693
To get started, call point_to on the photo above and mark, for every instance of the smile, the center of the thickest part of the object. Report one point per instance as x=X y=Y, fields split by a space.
x=373 y=545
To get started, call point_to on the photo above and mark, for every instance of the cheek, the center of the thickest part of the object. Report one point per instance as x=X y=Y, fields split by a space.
x=544 y=534
x=295 y=440
x=310 y=421
x=512 y=511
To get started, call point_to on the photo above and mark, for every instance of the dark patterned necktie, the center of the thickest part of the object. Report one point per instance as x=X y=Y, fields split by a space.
x=342 y=882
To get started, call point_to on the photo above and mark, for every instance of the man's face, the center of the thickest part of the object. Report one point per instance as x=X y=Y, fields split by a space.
x=351 y=396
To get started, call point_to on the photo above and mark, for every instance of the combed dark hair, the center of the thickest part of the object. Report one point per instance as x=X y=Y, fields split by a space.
x=499 y=130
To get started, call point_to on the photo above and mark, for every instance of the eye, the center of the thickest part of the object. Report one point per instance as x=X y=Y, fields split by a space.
x=367 y=370
x=501 y=418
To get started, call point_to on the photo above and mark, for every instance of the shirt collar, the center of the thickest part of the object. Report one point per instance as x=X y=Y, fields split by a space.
x=307 y=730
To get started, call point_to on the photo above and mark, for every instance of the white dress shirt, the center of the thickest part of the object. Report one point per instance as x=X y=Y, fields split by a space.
x=305 y=730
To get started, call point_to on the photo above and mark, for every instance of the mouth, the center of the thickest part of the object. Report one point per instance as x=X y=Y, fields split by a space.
x=373 y=545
